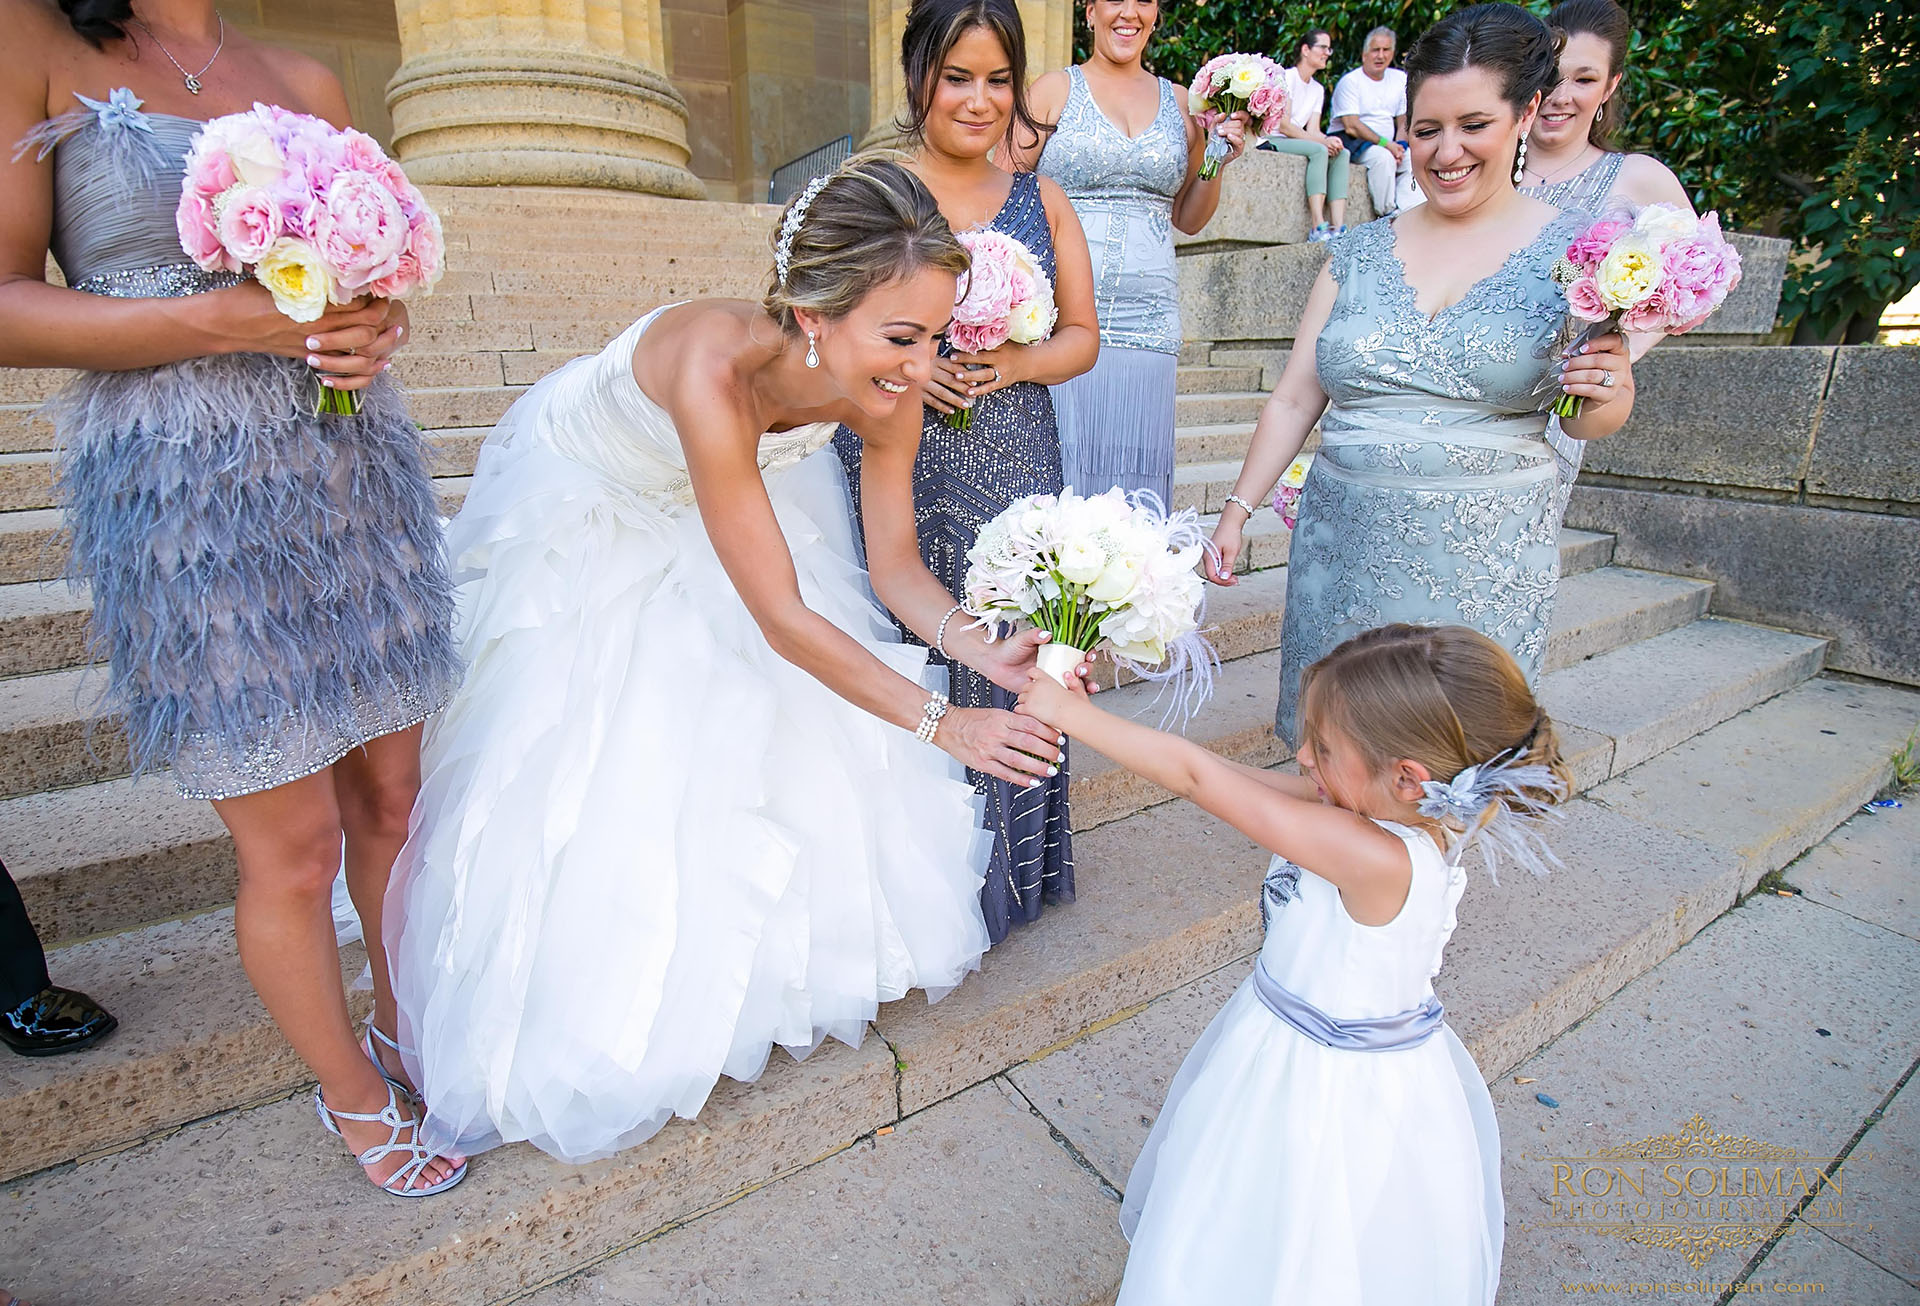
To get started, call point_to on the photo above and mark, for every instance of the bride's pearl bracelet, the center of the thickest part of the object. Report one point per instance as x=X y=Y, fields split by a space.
x=930 y=718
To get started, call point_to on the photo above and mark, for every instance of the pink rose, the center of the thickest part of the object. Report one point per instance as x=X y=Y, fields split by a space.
x=1584 y=302
x=198 y=237
x=248 y=224
x=1592 y=245
x=403 y=279
x=209 y=171
x=427 y=245
x=359 y=231
x=1654 y=313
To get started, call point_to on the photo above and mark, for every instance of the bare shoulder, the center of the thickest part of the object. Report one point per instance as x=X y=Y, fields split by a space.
x=312 y=85
x=1053 y=198
x=690 y=356
x=1646 y=180
x=1048 y=95
x=42 y=40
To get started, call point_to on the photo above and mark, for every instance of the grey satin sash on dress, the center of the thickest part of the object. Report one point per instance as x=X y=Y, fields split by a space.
x=1370 y=1034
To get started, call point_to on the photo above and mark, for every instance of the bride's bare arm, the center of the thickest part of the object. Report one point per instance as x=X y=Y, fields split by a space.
x=739 y=518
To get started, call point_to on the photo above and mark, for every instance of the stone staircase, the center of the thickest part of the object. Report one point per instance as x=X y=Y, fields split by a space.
x=180 y=1160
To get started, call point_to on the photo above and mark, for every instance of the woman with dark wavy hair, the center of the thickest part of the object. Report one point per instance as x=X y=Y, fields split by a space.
x=1424 y=343
x=965 y=64
x=268 y=585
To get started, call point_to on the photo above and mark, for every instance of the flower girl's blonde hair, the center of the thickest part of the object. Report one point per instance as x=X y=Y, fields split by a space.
x=1446 y=697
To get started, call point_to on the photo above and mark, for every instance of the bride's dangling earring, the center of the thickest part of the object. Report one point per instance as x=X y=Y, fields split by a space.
x=1520 y=162
x=813 y=352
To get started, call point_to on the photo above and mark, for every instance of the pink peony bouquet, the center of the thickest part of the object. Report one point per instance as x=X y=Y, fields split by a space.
x=318 y=214
x=1228 y=83
x=1292 y=484
x=1661 y=270
x=1005 y=298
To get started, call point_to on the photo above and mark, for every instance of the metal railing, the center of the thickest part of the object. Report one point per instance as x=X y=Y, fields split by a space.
x=789 y=178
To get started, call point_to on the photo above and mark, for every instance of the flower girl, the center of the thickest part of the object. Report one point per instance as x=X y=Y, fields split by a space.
x=1328 y=1139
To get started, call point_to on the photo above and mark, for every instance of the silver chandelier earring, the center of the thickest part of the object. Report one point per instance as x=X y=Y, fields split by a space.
x=813 y=351
x=1520 y=162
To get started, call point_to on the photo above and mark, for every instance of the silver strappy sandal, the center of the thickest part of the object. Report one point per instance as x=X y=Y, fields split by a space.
x=366 y=1045
x=391 y=1116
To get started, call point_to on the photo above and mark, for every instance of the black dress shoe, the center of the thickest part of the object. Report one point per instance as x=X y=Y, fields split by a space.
x=53 y=1021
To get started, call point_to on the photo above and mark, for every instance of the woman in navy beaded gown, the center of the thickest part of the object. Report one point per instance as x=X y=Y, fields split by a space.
x=267 y=585
x=964 y=62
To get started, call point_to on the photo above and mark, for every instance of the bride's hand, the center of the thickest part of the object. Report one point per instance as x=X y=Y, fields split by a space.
x=1005 y=745
x=1009 y=662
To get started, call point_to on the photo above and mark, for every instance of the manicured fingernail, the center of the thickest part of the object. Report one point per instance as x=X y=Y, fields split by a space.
x=313 y=342
x=313 y=360
x=327 y=381
x=386 y=364
x=1063 y=741
x=1035 y=783
x=1053 y=771
x=399 y=331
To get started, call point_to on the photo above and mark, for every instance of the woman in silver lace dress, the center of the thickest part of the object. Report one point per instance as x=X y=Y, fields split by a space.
x=267 y=585
x=1431 y=499
x=1127 y=153
x=1571 y=164
x=965 y=67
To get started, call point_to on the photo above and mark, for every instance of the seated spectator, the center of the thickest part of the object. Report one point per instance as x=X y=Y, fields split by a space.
x=1370 y=114
x=1300 y=134
x=37 y=1019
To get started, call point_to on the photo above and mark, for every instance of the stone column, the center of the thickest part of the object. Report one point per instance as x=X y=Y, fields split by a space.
x=538 y=93
x=1049 y=27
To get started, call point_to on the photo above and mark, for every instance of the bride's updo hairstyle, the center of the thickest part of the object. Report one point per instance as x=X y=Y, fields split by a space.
x=869 y=224
x=1521 y=52
x=99 y=21
x=1446 y=697
x=933 y=28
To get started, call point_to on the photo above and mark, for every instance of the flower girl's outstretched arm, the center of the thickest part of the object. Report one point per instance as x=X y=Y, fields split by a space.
x=1369 y=866
x=1285 y=419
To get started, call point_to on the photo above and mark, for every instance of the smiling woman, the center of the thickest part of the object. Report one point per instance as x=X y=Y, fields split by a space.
x=965 y=68
x=690 y=799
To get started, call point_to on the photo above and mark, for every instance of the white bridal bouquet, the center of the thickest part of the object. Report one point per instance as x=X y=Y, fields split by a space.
x=1112 y=571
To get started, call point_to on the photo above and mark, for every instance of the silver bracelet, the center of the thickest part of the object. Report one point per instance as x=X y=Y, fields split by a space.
x=1234 y=498
x=930 y=718
x=940 y=636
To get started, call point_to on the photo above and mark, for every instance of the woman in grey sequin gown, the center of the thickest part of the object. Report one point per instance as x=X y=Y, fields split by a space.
x=267 y=585
x=1431 y=498
x=1127 y=153
x=964 y=63
x=1571 y=163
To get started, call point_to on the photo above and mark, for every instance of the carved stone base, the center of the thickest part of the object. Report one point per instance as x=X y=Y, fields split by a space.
x=540 y=117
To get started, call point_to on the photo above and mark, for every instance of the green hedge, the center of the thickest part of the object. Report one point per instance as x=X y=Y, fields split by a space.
x=1795 y=117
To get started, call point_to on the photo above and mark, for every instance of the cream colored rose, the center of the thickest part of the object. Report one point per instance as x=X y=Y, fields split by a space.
x=1296 y=474
x=1629 y=273
x=1031 y=322
x=1081 y=562
x=1116 y=582
x=257 y=161
x=293 y=272
x=1247 y=78
x=1665 y=222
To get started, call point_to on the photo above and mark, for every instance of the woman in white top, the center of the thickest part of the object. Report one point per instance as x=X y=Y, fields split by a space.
x=1300 y=134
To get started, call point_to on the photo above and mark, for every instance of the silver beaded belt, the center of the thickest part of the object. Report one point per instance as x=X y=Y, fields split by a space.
x=169 y=281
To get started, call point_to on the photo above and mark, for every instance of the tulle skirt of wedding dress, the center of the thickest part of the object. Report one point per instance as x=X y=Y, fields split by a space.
x=647 y=848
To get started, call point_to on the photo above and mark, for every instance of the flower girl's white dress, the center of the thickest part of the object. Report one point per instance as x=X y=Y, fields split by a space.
x=1282 y=1170
x=646 y=847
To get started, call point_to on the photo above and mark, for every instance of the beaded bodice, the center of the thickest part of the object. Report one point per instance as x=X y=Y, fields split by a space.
x=1589 y=189
x=117 y=172
x=1123 y=189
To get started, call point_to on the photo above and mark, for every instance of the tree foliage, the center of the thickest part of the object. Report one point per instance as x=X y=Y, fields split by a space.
x=1795 y=117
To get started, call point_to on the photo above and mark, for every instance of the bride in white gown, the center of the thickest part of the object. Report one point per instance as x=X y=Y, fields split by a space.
x=678 y=811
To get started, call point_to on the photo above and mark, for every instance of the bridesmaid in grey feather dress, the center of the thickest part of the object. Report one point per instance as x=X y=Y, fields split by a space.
x=1423 y=342
x=965 y=68
x=267 y=585
x=1127 y=153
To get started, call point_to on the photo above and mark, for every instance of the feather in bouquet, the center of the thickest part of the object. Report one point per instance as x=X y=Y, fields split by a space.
x=318 y=214
x=1228 y=83
x=1112 y=571
x=1006 y=297
x=1661 y=270
x=1293 y=483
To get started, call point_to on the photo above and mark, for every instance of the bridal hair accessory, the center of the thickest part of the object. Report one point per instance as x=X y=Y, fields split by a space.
x=1497 y=803
x=813 y=351
x=790 y=227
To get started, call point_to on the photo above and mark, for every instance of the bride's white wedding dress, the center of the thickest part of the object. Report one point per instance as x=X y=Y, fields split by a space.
x=646 y=847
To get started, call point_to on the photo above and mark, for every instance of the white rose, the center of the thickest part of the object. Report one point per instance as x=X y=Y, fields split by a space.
x=1665 y=222
x=1031 y=322
x=1082 y=561
x=1247 y=78
x=1296 y=474
x=257 y=161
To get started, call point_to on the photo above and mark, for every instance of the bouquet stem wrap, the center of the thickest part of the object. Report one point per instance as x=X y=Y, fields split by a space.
x=1057 y=660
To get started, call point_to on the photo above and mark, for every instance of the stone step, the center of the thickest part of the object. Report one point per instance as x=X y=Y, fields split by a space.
x=1530 y=958
x=1217 y=409
x=145 y=839
x=1217 y=380
x=1205 y=442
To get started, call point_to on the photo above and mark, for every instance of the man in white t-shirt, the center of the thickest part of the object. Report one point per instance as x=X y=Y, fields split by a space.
x=1370 y=112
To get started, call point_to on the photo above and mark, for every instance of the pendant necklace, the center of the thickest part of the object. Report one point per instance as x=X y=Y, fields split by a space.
x=192 y=79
